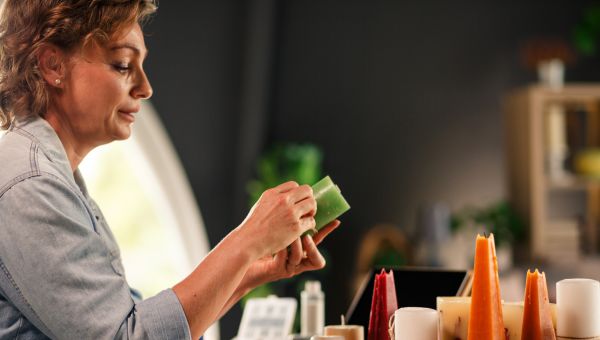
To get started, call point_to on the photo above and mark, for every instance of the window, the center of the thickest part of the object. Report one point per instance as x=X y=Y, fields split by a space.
x=144 y=194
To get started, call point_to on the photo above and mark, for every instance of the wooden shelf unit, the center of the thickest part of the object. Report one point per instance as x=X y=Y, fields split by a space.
x=530 y=188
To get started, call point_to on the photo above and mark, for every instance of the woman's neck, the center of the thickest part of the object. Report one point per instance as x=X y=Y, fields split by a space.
x=75 y=148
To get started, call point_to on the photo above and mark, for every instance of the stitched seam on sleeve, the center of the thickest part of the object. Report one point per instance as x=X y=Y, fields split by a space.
x=35 y=163
x=31 y=153
x=31 y=174
x=77 y=194
x=16 y=180
x=35 y=170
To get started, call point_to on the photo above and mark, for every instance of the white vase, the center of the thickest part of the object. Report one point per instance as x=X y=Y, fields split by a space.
x=551 y=73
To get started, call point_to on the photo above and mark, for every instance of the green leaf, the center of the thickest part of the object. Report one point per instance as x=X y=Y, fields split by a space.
x=286 y=162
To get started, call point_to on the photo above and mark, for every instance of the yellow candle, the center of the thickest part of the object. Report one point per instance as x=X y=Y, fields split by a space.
x=326 y=337
x=349 y=332
x=454 y=316
x=513 y=319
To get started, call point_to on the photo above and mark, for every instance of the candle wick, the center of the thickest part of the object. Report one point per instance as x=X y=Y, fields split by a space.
x=343 y=320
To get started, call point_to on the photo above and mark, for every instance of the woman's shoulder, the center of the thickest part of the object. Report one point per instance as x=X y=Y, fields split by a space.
x=31 y=199
x=22 y=160
x=16 y=153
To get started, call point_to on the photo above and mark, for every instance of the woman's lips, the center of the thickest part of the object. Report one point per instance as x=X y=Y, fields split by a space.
x=129 y=116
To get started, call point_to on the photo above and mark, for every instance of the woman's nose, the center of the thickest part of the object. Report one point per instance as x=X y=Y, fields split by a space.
x=143 y=89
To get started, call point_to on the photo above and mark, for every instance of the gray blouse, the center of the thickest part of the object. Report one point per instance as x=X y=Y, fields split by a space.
x=61 y=275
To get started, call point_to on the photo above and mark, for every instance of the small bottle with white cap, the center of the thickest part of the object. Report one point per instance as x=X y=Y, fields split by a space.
x=578 y=309
x=312 y=309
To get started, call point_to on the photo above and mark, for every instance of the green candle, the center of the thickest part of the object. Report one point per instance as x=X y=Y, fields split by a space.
x=330 y=202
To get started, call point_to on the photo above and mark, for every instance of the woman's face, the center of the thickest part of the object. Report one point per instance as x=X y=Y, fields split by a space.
x=103 y=87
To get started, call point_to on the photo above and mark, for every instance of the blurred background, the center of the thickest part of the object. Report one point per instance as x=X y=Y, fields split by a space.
x=437 y=119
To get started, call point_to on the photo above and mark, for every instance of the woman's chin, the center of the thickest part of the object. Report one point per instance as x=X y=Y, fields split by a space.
x=122 y=132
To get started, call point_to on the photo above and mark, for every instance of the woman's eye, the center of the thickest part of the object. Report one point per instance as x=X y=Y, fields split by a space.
x=121 y=68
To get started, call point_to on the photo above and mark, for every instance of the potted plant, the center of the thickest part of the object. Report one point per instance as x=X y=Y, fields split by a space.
x=499 y=219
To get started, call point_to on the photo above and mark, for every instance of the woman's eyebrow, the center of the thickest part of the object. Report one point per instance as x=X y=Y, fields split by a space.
x=135 y=49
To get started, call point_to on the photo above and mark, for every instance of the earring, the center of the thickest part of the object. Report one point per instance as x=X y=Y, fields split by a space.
x=57 y=81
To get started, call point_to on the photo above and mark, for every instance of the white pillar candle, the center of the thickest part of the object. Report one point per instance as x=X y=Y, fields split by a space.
x=578 y=308
x=416 y=323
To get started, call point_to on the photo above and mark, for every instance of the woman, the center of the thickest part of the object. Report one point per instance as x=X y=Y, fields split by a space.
x=71 y=79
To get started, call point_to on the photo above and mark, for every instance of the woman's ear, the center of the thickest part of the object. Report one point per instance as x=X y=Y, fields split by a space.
x=51 y=63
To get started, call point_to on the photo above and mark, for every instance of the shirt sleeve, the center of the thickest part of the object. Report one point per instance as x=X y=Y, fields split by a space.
x=61 y=271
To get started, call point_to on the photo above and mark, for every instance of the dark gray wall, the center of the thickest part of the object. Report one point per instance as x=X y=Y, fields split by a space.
x=404 y=97
x=194 y=65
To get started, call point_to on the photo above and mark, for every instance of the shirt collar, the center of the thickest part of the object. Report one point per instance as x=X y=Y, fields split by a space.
x=39 y=130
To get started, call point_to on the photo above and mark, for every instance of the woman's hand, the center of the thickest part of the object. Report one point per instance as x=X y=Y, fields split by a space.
x=272 y=268
x=280 y=216
x=302 y=256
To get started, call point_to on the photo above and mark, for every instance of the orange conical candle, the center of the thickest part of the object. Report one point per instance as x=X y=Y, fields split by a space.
x=537 y=316
x=485 y=321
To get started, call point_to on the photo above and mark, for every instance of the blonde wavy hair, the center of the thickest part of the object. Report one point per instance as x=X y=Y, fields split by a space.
x=28 y=25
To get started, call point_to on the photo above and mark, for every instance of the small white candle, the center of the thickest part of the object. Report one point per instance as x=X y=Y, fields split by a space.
x=416 y=323
x=578 y=308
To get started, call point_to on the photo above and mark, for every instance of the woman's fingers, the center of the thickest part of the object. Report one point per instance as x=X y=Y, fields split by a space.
x=295 y=255
x=281 y=215
x=326 y=230
x=300 y=193
x=281 y=258
x=313 y=256
x=285 y=187
x=307 y=223
x=308 y=206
